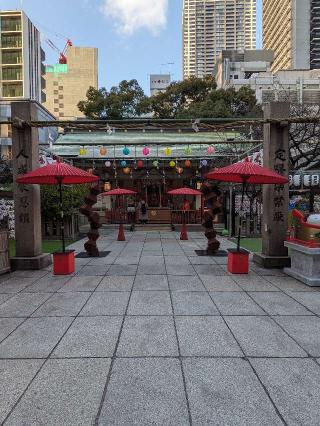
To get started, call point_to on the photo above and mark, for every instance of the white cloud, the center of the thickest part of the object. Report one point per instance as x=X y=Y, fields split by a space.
x=132 y=15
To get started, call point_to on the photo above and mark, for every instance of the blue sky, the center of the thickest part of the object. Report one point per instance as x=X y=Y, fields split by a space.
x=134 y=37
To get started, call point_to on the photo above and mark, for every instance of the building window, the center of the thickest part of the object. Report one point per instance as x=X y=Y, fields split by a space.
x=55 y=92
x=56 y=110
x=61 y=105
x=55 y=83
x=60 y=96
x=60 y=87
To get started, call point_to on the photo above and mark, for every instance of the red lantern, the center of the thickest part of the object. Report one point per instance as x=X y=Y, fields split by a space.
x=140 y=164
x=187 y=164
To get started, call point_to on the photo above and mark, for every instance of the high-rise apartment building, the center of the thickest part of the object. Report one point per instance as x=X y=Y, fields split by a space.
x=210 y=26
x=290 y=30
x=21 y=58
x=67 y=84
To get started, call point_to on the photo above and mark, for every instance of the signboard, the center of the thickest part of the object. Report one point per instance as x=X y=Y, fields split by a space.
x=159 y=83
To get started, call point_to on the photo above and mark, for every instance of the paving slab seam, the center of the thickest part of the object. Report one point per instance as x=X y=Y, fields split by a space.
x=246 y=358
x=267 y=392
x=114 y=356
x=179 y=351
x=25 y=318
x=38 y=372
x=297 y=301
x=280 y=326
x=183 y=357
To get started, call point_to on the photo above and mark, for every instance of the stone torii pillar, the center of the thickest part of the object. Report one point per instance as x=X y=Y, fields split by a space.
x=275 y=197
x=27 y=209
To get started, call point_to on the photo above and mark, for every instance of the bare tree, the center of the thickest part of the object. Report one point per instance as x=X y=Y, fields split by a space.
x=304 y=138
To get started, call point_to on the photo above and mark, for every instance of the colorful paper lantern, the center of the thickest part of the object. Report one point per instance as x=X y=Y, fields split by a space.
x=188 y=150
x=211 y=150
x=90 y=171
x=155 y=163
x=126 y=151
x=140 y=164
x=172 y=164
x=107 y=163
x=167 y=152
x=179 y=170
x=126 y=170
x=82 y=151
x=123 y=163
x=146 y=151
x=187 y=164
x=103 y=151
x=204 y=163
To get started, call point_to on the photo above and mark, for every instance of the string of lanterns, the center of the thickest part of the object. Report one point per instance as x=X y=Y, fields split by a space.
x=145 y=151
x=140 y=164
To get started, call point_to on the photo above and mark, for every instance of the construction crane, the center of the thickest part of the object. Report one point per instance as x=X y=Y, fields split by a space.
x=62 y=58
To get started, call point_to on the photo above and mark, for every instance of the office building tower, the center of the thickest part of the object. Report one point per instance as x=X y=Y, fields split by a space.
x=67 y=84
x=210 y=26
x=315 y=34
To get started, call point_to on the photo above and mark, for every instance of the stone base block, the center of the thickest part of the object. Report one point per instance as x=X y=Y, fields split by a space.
x=305 y=264
x=270 y=262
x=311 y=282
x=31 y=263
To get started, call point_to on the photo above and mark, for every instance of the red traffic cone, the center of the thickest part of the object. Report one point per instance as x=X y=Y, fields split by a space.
x=184 y=233
x=121 y=236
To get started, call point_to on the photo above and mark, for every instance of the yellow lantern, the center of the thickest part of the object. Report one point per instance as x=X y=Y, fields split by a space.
x=82 y=151
x=103 y=151
x=172 y=164
x=167 y=152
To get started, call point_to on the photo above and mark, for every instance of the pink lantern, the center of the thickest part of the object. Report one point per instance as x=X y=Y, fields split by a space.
x=140 y=164
x=146 y=151
x=211 y=150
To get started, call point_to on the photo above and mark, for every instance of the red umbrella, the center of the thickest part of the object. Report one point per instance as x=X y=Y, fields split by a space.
x=246 y=172
x=184 y=191
x=57 y=174
x=118 y=192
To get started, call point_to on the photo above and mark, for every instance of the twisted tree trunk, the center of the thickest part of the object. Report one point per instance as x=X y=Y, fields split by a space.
x=211 y=198
x=94 y=219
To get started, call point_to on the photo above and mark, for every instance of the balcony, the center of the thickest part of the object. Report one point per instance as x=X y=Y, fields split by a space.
x=11 y=24
x=12 y=74
x=14 y=90
x=11 y=41
x=12 y=58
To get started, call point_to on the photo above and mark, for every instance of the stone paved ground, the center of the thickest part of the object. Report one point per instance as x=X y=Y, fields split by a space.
x=154 y=335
